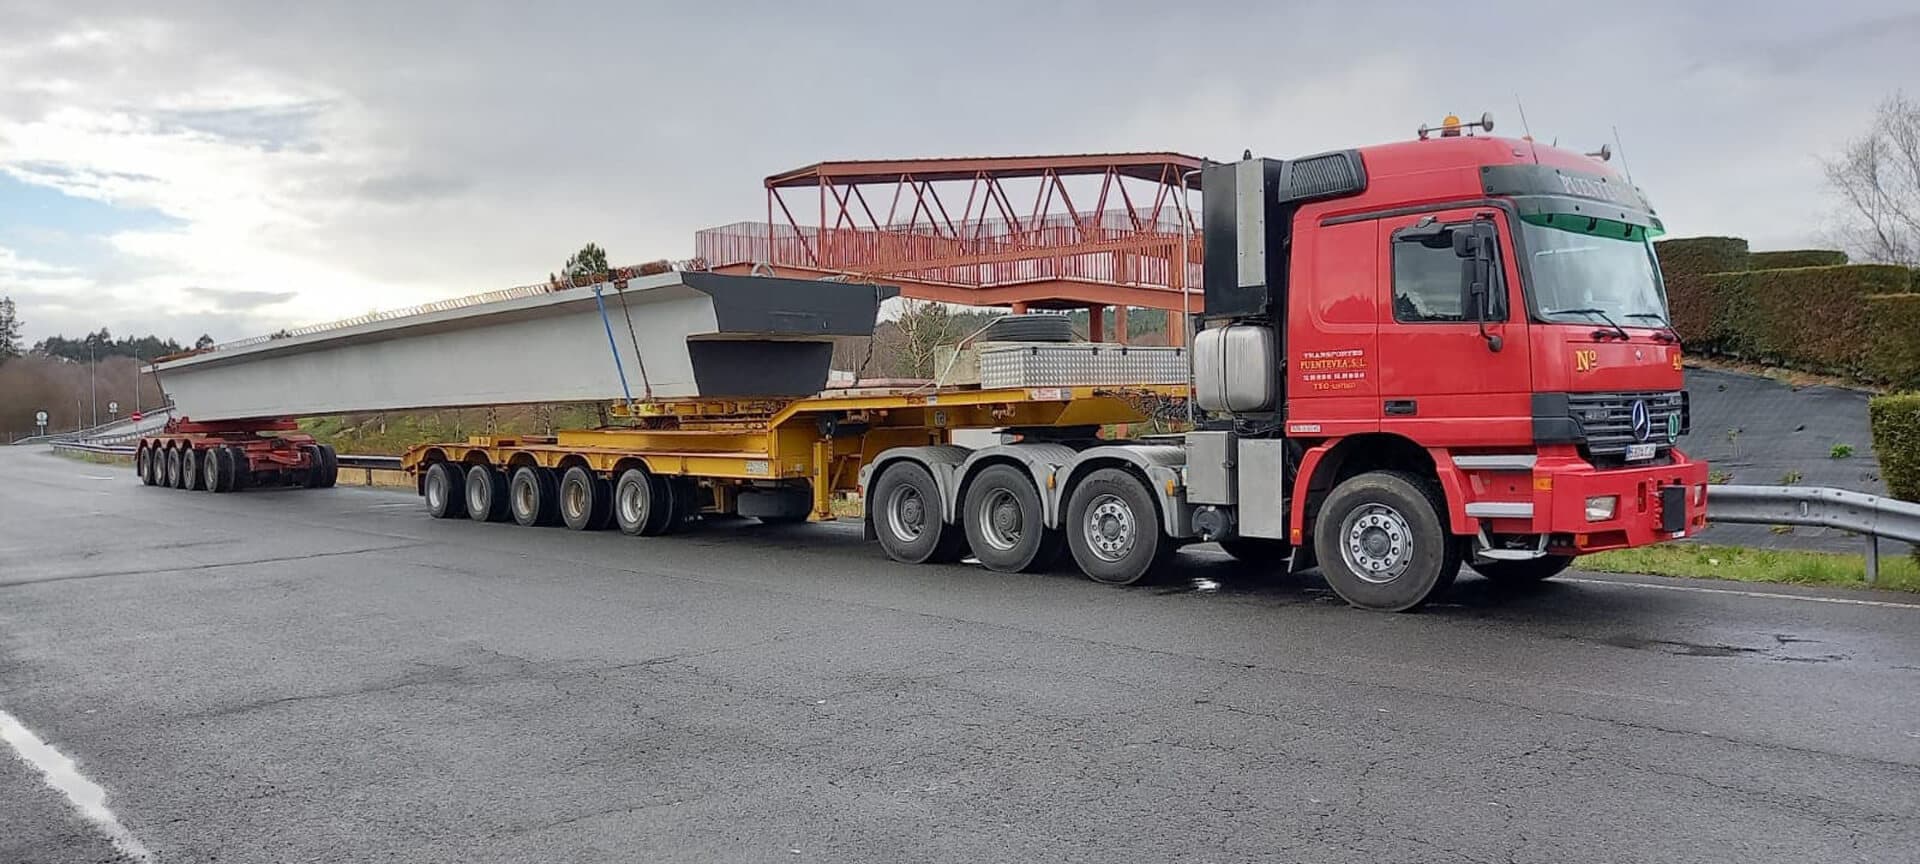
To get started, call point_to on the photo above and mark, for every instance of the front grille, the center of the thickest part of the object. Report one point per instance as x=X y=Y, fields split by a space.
x=1606 y=421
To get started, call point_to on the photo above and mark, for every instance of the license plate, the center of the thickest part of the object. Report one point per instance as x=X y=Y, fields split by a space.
x=1639 y=452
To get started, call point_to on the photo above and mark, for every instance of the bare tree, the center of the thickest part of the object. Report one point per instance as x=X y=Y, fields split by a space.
x=1877 y=180
x=914 y=339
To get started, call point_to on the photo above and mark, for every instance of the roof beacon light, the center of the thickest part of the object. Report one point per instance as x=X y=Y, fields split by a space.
x=1451 y=127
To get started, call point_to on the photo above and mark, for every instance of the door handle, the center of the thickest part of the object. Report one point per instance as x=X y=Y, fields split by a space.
x=1402 y=406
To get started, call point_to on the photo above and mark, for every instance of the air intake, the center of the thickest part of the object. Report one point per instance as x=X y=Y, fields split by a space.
x=1328 y=175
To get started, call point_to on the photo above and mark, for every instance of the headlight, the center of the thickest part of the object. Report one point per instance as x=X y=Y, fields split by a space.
x=1600 y=509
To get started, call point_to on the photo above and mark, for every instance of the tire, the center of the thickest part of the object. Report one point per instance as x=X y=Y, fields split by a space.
x=190 y=459
x=909 y=518
x=1113 y=528
x=1382 y=543
x=604 y=489
x=445 y=490
x=170 y=459
x=329 y=466
x=584 y=502
x=486 y=495
x=141 y=464
x=229 y=462
x=1004 y=523
x=1261 y=551
x=534 y=496
x=642 y=503
x=1029 y=328
x=242 y=468
x=213 y=475
x=1523 y=572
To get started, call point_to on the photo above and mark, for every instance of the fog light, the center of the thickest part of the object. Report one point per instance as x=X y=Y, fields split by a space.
x=1600 y=509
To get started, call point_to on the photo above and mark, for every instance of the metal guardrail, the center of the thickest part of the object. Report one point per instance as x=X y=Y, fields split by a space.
x=1871 y=516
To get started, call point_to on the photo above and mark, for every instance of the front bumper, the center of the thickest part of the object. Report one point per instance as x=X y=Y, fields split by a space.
x=1655 y=503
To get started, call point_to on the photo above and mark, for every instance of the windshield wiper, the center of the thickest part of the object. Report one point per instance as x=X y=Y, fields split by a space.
x=1671 y=334
x=1602 y=313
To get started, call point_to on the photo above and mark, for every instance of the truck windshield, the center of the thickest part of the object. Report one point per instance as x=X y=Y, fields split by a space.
x=1574 y=273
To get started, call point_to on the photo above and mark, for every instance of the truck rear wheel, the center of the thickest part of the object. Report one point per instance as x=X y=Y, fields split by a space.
x=534 y=494
x=1004 y=524
x=1113 y=528
x=1523 y=572
x=445 y=491
x=190 y=461
x=1382 y=544
x=486 y=495
x=584 y=503
x=909 y=519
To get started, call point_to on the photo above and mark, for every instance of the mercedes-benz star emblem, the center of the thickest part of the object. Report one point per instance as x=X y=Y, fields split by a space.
x=1642 y=422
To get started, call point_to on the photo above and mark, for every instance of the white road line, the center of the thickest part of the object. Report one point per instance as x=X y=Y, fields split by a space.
x=86 y=796
x=1758 y=595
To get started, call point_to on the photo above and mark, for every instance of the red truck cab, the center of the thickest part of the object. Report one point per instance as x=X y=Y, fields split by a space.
x=1473 y=319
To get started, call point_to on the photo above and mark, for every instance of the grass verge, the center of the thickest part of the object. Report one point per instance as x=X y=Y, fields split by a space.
x=96 y=458
x=1898 y=572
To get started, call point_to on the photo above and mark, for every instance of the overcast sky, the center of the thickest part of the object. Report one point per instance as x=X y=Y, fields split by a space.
x=232 y=168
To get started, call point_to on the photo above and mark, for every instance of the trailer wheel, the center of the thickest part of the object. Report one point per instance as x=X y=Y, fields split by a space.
x=908 y=517
x=642 y=503
x=533 y=495
x=169 y=467
x=212 y=476
x=584 y=502
x=229 y=468
x=140 y=465
x=445 y=491
x=190 y=462
x=329 y=466
x=1004 y=525
x=486 y=491
x=1113 y=528
x=242 y=467
x=1382 y=544
x=1523 y=572
x=603 y=489
x=150 y=473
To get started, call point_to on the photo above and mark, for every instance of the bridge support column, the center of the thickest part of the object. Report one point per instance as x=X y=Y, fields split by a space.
x=1120 y=324
x=1176 y=328
x=1096 y=323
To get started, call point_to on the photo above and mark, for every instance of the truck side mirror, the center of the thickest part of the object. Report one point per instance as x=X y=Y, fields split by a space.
x=1475 y=248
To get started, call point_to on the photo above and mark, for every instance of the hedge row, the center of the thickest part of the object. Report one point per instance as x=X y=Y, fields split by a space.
x=1813 y=318
x=1695 y=256
x=1893 y=350
x=1790 y=258
x=1896 y=442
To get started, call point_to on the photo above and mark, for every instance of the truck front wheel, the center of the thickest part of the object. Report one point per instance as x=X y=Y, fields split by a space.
x=1382 y=544
x=1523 y=572
x=1113 y=528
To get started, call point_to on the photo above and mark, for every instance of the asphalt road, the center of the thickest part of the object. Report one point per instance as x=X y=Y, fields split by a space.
x=331 y=676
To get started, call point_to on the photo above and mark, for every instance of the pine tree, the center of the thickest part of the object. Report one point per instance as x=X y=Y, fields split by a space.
x=9 y=330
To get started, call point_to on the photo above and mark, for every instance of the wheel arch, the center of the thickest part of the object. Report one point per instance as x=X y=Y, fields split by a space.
x=1159 y=466
x=1041 y=462
x=1331 y=462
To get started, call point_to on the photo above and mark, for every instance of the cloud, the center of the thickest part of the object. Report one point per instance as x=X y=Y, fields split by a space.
x=228 y=300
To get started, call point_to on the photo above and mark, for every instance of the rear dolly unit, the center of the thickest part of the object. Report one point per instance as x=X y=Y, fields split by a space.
x=227 y=456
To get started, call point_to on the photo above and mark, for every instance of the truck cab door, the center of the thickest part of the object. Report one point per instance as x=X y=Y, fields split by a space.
x=1443 y=381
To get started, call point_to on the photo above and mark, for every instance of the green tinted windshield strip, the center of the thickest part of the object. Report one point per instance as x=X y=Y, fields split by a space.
x=1569 y=212
x=1593 y=225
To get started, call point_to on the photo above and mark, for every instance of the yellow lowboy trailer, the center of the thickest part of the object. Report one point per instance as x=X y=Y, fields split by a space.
x=663 y=464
